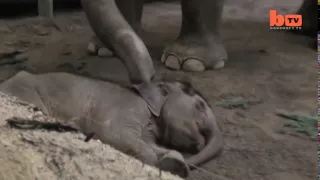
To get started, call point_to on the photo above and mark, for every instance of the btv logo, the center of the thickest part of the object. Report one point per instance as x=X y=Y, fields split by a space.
x=288 y=21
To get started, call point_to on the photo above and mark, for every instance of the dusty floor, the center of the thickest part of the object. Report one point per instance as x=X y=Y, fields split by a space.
x=51 y=155
x=274 y=67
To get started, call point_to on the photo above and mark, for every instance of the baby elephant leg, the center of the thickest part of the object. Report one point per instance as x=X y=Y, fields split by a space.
x=22 y=85
x=166 y=160
x=131 y=143
x=171 y=160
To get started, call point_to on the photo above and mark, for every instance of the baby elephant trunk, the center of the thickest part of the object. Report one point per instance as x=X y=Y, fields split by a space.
x=212 y=148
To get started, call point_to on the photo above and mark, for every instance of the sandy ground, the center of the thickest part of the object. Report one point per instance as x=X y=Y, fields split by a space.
x=276 y=68
x=37 y=154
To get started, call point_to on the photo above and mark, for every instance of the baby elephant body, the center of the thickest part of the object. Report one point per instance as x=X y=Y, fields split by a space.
x=118 y=116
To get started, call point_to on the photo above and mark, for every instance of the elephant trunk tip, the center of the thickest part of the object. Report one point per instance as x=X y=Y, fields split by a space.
x=213 y=148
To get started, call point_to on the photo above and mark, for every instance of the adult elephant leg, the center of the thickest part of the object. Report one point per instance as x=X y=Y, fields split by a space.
x=309 y=11
x=114 y=30
x=132 y=12
x=198 y=46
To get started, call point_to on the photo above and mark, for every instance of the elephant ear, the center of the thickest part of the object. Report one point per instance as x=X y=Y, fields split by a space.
x=154 y=94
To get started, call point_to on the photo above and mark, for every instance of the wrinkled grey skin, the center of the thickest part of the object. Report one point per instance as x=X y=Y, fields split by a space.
x=119 y=35
x=198 y=46
x=309 y=12
x=120 y=117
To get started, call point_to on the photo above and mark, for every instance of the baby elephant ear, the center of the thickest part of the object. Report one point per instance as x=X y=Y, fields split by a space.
x=153 y=94
x=164 y=88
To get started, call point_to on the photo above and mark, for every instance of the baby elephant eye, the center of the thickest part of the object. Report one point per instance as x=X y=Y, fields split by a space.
x=200 y=106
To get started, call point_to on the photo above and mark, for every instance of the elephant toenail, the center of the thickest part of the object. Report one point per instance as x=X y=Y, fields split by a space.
x=219 y=64
x=104 y=52
x=163 y=57
x=193 y=65
x=172 y=62
x=92 y=48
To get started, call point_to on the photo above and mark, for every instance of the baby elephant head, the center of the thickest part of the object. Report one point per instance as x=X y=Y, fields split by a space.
x=188 y=123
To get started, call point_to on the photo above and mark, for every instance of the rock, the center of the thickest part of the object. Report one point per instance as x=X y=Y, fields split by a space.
x=38 y=154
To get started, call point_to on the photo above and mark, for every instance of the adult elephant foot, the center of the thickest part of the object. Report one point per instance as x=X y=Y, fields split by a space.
x=309 y=12
x=195 y=53
x=198 y=46
x=174 y=162
x=131 y=10
x=96 y=48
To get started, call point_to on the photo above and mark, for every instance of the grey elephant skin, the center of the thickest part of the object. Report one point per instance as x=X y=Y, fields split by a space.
x=120 y=117
x=117 y=23
x=32 y=1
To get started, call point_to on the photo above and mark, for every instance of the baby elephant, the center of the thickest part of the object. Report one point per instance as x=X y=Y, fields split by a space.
x=118 y=116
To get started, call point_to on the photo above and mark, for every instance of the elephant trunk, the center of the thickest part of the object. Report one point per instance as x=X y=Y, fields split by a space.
x=113 y=30
x=212 y=148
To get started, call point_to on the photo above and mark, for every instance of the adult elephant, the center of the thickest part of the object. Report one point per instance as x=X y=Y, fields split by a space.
x=198 y=47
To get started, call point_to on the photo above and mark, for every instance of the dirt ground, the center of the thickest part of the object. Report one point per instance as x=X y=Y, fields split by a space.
x=276 y=68
x=51 y=155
